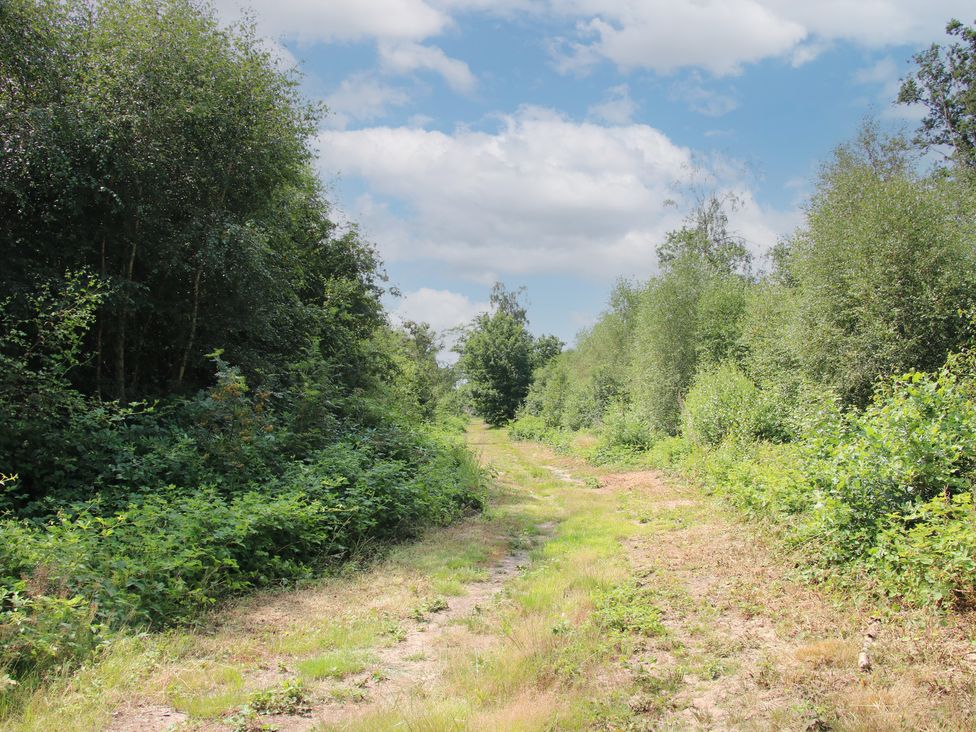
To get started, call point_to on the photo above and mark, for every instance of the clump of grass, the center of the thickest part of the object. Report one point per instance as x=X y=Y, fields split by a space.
x=334 y=665
x=290 y=697
x=628 y=608
x=656 y=693
x=422 y=612
x=207 y=692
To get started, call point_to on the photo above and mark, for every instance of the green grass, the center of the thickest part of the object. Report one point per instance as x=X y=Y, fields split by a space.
x=334 y=665
x=208 y=691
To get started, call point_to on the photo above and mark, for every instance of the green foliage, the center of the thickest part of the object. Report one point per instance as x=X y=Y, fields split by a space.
x=914 y=442
x=945 y=83
x=41 y=633
x=496 y=360
x=927 y=554
x=173 y=553
x=498 y=355
x=629 y=608
x=530 y=427
x=198 y=391
x=291 y=697
x=624 y=437
x=823 y=395
x=722 y=403
x=171 y=157
x=883 y=266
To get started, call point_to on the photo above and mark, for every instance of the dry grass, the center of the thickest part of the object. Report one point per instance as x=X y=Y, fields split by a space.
x=492 y=624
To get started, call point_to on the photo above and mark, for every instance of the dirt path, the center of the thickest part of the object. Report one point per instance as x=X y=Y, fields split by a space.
x=582 y=599
x=748 y=646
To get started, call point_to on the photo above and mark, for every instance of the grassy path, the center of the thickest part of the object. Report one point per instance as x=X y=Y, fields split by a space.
x=582 y=599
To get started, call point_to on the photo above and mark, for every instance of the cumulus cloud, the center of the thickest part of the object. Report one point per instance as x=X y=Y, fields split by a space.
x=341 y=20
x=405 y=57
x=541 y=194
x=665 y=35
x=717 y=36
x=616 y=108
x=443 y=310
x=721 y=36
x=362 y=98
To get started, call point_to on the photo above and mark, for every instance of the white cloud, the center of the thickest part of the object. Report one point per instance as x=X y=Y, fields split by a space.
x=699 y=98
x=617 y=107
x=405 y=57
x=341 y=20
x=541 y=194
x=362 y=98
x=443 y=310
x=721 y=36
x=665 y=35
x=873 y=23
x=718 y=36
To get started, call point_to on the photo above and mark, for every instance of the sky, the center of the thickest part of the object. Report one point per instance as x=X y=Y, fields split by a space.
x=552 y=144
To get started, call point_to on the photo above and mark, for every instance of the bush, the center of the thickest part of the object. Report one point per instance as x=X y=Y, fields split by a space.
x=168 y=555
x=721 y=403
x=928 y=555
x=624 y=428
x=914 y=442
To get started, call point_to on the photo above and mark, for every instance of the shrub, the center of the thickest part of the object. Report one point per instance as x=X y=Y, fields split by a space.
x=722 y=403
x=170 y=554
x=624 y=428
x=914 y=442
x=528 y=427
x=928 y=555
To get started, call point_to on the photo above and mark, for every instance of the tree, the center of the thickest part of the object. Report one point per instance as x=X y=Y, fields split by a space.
x=690 y=313
x=705 y=237
x=544 y=349
x=882 y=268
x=945 y=84
x=171 y=157
x=498 y=355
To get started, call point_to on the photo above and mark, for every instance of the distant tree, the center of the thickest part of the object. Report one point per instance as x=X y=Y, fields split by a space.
x=498 y=355
x=544 y=349
x=945 y=83
x=706 y=238
x=690 y=313
x=508 y=301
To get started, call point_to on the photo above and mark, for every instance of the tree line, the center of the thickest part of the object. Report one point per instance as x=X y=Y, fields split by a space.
x=200 y=392
x=830 y=387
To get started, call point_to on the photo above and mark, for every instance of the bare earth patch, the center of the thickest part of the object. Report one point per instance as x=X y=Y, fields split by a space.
x=750 y=648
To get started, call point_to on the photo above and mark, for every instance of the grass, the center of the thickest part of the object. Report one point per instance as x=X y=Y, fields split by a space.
x=334 y=665
x=640 y=605
x=207 y=690
x=543 y=657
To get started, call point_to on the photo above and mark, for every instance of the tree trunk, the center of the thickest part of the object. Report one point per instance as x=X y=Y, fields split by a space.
x=120 y=341
x=193 y=325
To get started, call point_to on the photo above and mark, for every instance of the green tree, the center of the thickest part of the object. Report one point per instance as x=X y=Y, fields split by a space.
x=172 y=158
x=498 y=356
x=882 y=268
x=690 y=313
x=944 y=82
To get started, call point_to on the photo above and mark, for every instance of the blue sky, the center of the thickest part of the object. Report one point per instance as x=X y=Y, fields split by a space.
x=553 y=143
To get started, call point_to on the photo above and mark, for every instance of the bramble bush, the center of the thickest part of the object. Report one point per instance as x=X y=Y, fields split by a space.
x=170 y=554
